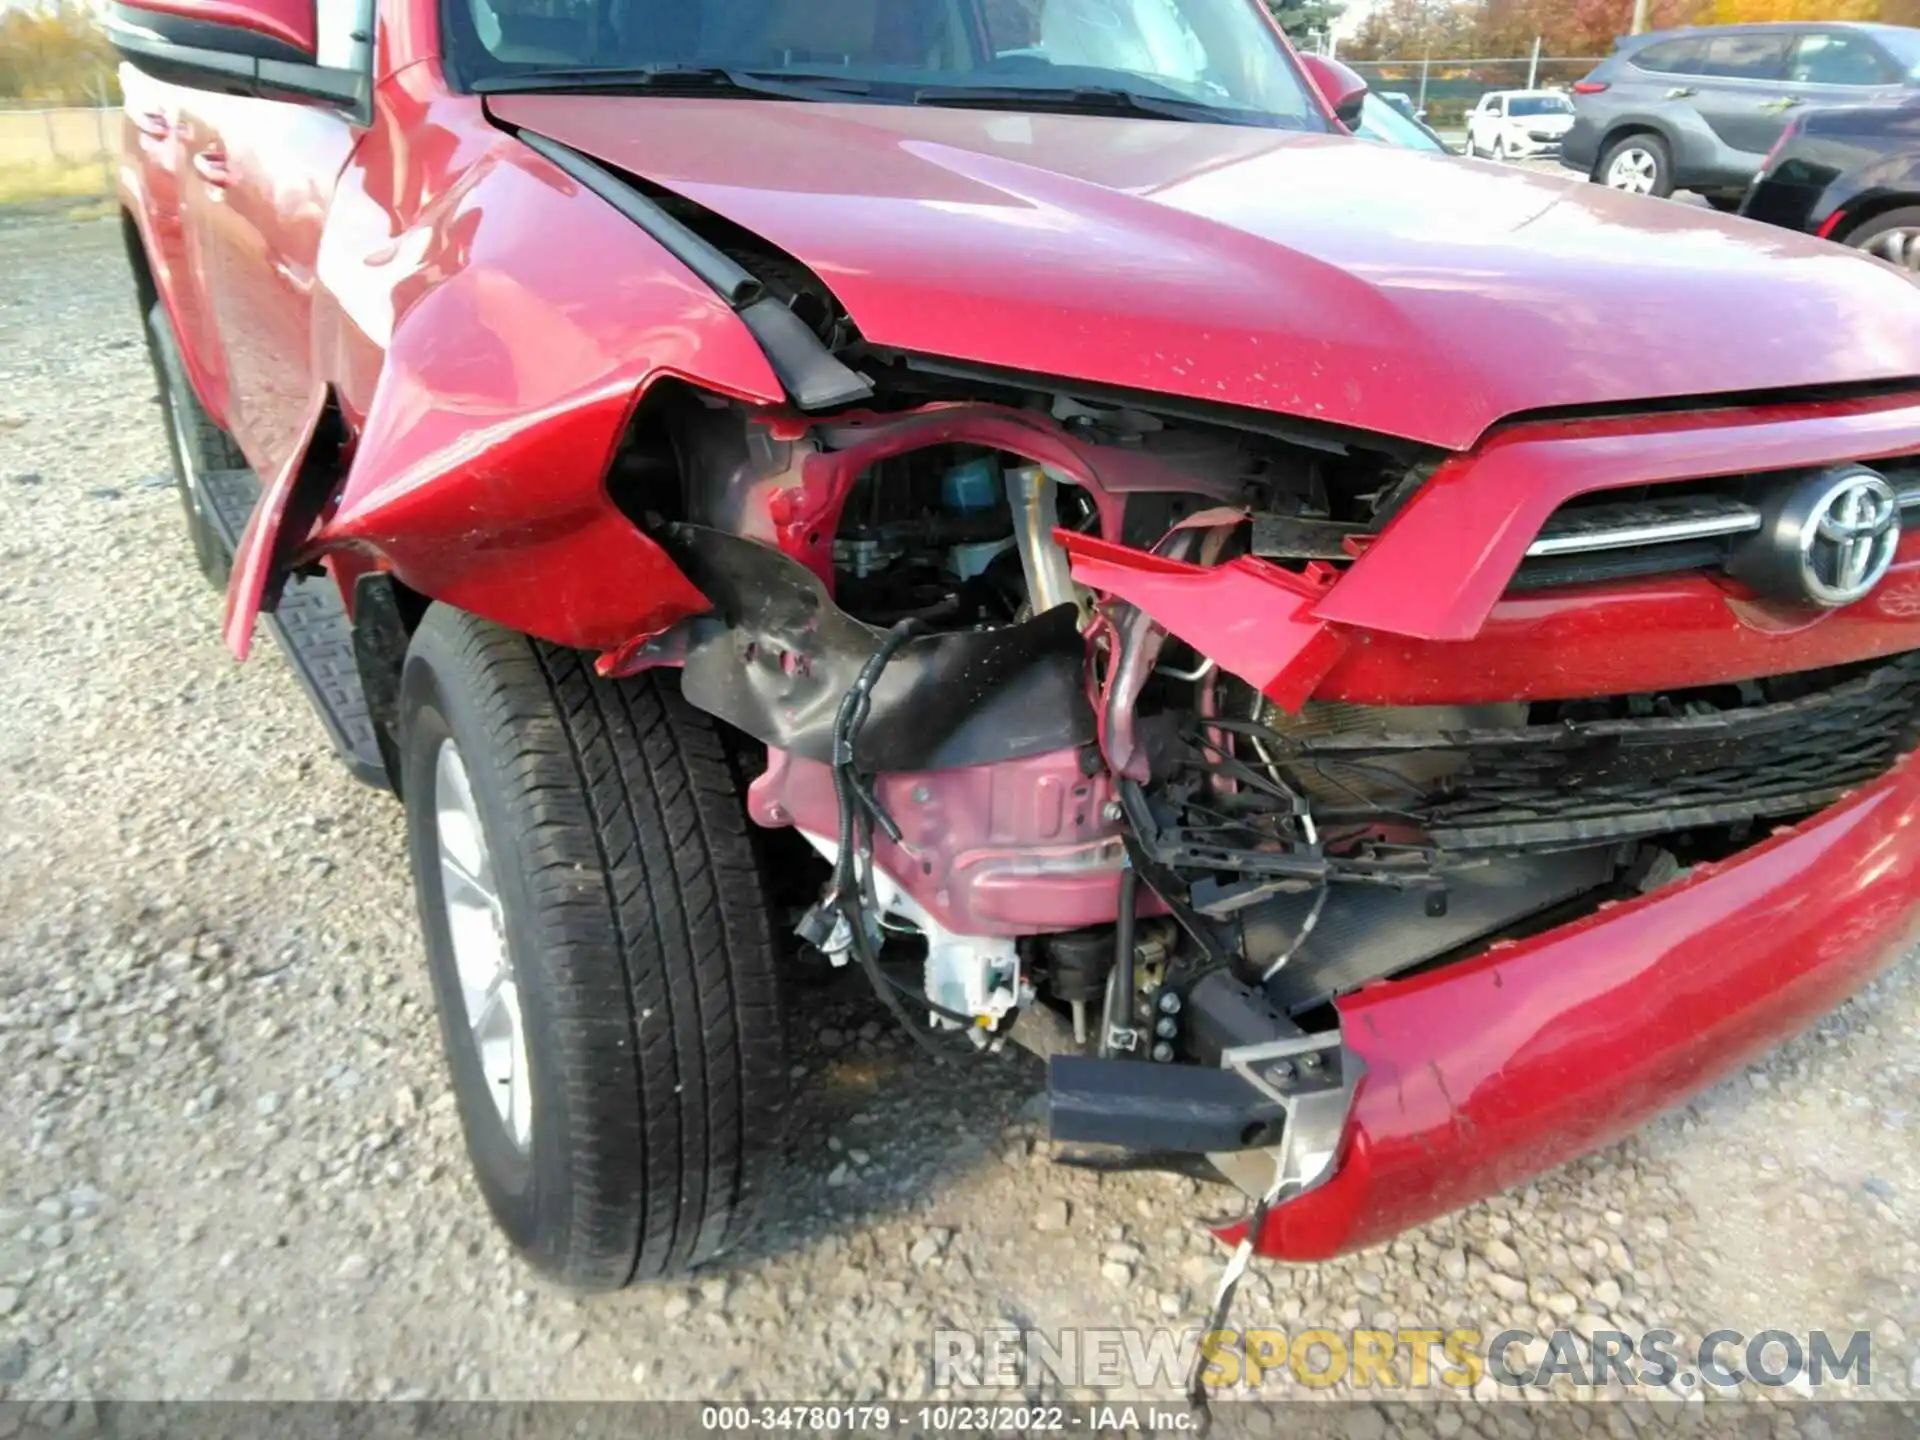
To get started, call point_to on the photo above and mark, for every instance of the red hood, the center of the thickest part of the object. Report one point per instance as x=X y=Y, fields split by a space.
x=1319 y=276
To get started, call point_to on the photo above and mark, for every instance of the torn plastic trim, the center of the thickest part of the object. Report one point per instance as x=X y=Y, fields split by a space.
x=778 y=654
x=811 y=374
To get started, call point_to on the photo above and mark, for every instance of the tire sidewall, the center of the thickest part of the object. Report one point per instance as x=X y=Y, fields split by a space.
x=520 y=1187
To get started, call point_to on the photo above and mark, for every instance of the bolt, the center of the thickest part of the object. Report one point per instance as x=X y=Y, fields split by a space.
x=1310 y=1061
x=1163 y=1052
x=1166 y=1027
x=1281 y=1073
x=1113 y=812
x=1169 y=1003
x=921 y=795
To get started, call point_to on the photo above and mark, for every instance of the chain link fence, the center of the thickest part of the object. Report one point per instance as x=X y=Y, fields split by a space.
x=62 y=151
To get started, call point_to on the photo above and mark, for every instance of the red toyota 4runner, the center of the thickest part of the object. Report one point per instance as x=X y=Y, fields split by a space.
x=1385 y=669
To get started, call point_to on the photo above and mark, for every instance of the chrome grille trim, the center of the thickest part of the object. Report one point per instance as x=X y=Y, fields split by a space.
x=1633 y=524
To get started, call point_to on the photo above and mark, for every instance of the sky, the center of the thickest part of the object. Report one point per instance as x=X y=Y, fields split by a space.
x=1346 y=27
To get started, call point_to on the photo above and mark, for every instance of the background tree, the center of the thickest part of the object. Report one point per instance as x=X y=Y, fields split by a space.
x=55 y=53
x=1746 y=12
x=1306 y=20
x=1408 y=29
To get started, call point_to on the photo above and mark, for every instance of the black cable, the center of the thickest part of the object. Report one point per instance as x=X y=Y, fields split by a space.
x=1223 y=1301
x=860 y=810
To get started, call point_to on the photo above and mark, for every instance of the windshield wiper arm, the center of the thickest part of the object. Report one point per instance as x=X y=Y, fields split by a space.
x=674 y=80
x=1087 y=100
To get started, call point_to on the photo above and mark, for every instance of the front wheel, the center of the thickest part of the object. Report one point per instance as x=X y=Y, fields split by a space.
x=598 y=939
x=1637 y=165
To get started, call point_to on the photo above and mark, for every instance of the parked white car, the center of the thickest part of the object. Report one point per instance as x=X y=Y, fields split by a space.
x=1519 y=124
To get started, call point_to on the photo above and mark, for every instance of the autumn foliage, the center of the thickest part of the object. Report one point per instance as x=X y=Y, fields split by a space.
x=55 y=53
x=1405 y=29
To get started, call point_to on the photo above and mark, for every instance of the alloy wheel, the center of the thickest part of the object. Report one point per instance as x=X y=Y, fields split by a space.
x=476 y=923
x=1635 y=171
x=1900 y=245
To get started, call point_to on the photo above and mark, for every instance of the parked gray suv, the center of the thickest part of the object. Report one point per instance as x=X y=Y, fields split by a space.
x=1698 y=109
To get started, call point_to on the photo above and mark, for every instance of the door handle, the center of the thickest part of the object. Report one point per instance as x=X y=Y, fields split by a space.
x=1682 y=92
x=212 y=167
x=153 y=124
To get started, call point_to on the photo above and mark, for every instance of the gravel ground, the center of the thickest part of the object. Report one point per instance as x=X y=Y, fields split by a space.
x=229 y=1165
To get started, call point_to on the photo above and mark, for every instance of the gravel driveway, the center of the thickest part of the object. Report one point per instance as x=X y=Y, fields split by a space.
x=229 y=1164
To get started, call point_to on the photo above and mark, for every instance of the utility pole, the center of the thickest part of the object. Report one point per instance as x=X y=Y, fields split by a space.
x=1639 y=17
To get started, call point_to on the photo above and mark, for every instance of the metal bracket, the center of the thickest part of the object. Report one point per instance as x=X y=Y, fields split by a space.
x=1314 y=1079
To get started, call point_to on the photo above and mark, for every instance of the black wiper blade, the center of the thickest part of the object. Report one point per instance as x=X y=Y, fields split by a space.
x=1086 y=100
x=674 y=80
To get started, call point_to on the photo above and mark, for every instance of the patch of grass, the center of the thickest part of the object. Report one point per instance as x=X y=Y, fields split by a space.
x=51 y=180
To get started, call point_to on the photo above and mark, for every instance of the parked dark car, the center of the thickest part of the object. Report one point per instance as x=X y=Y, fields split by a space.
x=1699 y=109
x=1850 y=175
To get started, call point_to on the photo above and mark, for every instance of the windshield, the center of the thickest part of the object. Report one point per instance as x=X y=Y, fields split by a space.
x=1904 y=45
x=1381 y=120
x=1205 y=56
x=1539 y=105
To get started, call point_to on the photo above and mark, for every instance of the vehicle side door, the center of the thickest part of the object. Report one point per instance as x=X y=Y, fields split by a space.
x=1741 y=88
x=153 y=159
x=1840 y=67
x=1484 y=124
x=263 y=171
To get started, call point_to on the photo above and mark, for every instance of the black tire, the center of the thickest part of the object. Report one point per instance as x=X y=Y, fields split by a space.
x=1654 y=148
x=198 y=446
x=638 y=940
x=1864 y=236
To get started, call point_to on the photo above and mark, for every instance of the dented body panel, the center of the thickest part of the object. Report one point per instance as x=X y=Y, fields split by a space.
x=487 y=376
x=1391 y=291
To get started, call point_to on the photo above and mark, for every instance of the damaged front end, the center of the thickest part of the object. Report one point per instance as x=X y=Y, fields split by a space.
x=1223 y=757
x=973 y=741
x=1050 y=687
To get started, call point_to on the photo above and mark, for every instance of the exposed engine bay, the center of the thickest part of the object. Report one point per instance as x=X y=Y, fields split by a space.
x=1040 y=817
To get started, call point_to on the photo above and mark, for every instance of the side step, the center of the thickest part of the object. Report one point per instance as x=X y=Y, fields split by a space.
x=312 y=627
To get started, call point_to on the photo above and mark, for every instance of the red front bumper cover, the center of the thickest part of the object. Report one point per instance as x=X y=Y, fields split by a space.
x=1495 y=1069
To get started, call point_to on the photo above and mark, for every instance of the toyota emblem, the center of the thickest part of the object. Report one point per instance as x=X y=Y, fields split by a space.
x=1828 y=540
